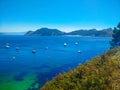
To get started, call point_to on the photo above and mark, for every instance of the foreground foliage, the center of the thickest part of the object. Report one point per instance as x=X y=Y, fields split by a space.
x=101 y=73
x=116 y=37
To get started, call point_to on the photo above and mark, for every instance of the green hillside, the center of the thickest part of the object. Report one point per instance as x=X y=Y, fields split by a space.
x=100 y=73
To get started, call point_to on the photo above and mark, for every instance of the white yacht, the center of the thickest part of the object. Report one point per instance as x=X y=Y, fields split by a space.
x=65 y=44
x=76 y=43
x=79 y=51
x=7 y=46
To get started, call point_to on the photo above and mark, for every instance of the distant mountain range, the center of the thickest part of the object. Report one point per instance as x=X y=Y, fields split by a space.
x=55 y=32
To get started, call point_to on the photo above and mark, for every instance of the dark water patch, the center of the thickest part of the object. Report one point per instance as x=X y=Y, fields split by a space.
x=20 y=76
x=42 y=78
x=8 y=80
x=40 y=67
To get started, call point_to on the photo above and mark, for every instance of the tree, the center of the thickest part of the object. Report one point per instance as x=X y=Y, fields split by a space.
x=116 y=37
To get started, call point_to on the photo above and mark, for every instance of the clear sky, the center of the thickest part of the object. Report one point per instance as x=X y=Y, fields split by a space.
x=66 y=15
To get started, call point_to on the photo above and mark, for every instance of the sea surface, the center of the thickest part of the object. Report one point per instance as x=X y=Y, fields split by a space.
x=23 y=70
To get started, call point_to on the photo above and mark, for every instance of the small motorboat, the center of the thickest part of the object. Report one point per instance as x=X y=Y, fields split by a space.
x=33 y=51
x=79 y=51
x=7 y=46
x=65 y=44
x=17 y=48
x=13 y=57
x=76 y=43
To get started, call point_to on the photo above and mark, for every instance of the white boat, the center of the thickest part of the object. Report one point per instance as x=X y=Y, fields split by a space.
x=7 y=46
x=65 y=44
x=13 y=57
x=76 y=43
x=79 y=51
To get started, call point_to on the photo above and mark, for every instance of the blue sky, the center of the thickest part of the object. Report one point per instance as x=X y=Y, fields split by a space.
x=66 y=15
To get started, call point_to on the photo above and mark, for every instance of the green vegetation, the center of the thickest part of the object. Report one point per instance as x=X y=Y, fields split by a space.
x=93 y=32
x=100 y=73
x=116 y=37
x=45 y=32
x=55 y=32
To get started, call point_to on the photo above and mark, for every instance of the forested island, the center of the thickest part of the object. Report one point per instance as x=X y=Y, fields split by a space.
x=55 y=32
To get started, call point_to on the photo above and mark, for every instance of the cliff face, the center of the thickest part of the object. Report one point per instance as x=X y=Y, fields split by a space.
x=100 y=73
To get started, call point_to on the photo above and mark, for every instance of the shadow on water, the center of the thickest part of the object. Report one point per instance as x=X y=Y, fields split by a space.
x=42 y=78
x=20 y=76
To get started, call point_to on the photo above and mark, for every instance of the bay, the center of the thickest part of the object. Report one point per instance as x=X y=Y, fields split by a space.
x=23 y=70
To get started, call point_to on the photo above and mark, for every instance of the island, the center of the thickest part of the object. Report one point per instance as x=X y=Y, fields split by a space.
x=46 y=32
x=55 y=32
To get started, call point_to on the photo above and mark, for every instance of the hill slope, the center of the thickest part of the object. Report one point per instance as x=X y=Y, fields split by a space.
x=55 y=32
x=45 y=32
x=100 y=73
x=93 y=32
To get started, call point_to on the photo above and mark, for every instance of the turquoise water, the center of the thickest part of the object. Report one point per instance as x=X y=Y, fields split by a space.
x=23 y=70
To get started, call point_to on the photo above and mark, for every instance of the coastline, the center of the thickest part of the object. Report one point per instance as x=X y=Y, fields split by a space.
x=100 y=73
